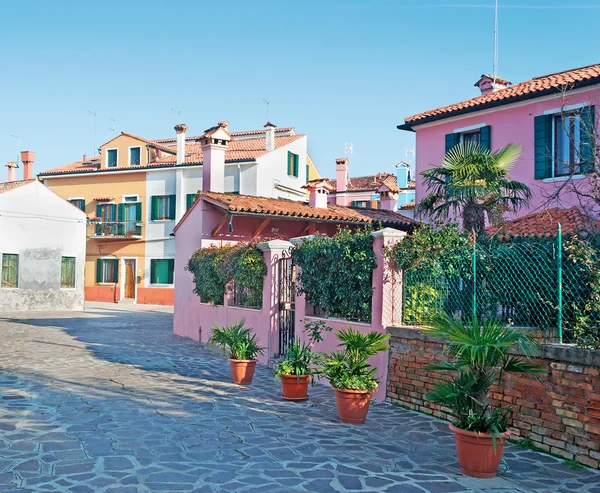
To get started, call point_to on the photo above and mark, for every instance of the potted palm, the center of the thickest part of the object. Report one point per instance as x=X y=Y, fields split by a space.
x=349 y=373
x=479 y=356
x=295 y=371
x=242 y=348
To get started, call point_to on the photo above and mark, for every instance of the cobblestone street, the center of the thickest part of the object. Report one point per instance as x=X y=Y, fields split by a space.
x=110 y=400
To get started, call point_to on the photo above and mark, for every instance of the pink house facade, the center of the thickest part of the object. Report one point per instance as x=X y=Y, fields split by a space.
x=553 y=117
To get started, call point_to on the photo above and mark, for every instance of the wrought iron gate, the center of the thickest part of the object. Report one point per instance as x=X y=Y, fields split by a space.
x=287 y=298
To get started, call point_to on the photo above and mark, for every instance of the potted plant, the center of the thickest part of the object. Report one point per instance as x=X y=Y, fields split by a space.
x=479 y=355
x=242 y=348
x=349 y=373
x=295 y=371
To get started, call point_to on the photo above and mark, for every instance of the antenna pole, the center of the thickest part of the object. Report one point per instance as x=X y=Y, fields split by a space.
x=267 y=108
x=496 y=41
x=178 y=115
x=92 y=113
x=18 y=148
x=111 y=126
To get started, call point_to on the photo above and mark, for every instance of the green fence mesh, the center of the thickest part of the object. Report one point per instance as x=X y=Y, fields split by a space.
x=549 y=284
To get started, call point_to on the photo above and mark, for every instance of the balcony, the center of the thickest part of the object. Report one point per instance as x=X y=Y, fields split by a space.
x=114 y=229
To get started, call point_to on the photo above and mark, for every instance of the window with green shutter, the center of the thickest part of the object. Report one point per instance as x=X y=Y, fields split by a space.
x=189 y=200
x=10 y=270
x=542 y=136
x=451 y=141
x=161 y=271
x=162 y=207
x=112 y=158
x=293 y=164
x=107 y=270
x=79 y=203
x=67 y=272
x=135 y=154
x=587 y=139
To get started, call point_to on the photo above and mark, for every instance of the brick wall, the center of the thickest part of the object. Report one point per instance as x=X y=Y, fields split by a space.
x=560 y=412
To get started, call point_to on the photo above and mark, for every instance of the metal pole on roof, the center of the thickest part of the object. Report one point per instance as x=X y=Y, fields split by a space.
x=94 y=149
x=18 y=148
x=496 y=41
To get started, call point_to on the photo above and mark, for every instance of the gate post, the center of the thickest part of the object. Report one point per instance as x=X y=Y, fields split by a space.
x=273 y=252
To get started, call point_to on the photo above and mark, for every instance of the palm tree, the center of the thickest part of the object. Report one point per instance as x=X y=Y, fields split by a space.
x=473 y=182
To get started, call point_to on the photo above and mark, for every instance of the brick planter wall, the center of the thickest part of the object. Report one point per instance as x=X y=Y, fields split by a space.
x=560 y=412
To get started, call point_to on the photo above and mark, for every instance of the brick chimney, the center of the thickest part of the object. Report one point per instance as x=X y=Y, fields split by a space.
x=270 y=136
x=318 y=190
x=27 y=158
x=341 y=180
x=488 y=84
x=12 y=170
x=214 y=143
x=180 y=130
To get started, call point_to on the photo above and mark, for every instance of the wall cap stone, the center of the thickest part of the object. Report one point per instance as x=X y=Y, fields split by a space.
x=388 y=233
x=266 y=246
x=298 y=240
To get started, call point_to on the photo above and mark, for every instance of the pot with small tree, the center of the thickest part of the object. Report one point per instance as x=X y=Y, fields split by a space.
x=295 y=370
x=479 y=356
x=349 y=373
x=241 y=346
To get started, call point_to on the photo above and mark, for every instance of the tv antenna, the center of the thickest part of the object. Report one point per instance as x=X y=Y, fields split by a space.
x=178 y=113
x=92 y=113
x=348 y=149
x=18 y=147
x=111 y=124
x=496 y=41
x=267 y=103
x=410 y=151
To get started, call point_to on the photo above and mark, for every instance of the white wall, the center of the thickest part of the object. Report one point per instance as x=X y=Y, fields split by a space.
x=41 y=228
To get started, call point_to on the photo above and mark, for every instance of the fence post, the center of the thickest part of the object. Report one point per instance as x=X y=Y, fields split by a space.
x=474 y=262
x=559 y=275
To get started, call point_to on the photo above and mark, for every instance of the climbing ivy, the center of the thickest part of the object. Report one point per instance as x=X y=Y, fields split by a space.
x=215 y=269
x=335 y=274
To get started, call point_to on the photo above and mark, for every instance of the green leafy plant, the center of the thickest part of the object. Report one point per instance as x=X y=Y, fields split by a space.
x=347 y=368
x=314 y=330
x=335 y=273
x=298 y=360
x=235 y=341
x=479 y=356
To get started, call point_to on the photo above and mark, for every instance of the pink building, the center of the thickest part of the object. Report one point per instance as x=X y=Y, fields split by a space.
x=552 y=117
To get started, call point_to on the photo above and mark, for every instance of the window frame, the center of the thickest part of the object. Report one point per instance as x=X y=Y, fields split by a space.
x=115 y=270
x=154 y=267
x=167 y=198
x=574 y=169
x=77 y=199
x=293 y=164
x=62 y=265
x=2 y=286
x=116 y=149
x=140 y=155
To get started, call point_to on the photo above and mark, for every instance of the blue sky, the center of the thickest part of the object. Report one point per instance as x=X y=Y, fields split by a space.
x=341 y=71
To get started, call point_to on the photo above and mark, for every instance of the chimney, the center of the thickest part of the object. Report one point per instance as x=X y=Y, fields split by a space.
x=389 y=201
x=180 y=130
x=214 y=143
x=341 y=177
x=318 y=190
x=27 y=158
x=270 y=135
x=402 y=174
x=488 y=84
x=12 y=170
x=84 y=158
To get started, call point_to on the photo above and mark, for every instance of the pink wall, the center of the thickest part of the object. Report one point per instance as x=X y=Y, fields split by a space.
x=510 y=123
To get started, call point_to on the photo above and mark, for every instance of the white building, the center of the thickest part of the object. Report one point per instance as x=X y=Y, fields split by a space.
x=42 y=249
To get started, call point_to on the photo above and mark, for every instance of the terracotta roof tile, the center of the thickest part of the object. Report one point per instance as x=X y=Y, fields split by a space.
x=292 y=208
x=11 y=185
x=409 y=206
x=173 y=140
x=544 y=223
x=371 y=183
x=530 y=88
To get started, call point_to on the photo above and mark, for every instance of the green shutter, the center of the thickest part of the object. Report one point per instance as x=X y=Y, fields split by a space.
x=67 y=272
x=138 y=218
x=485 y=137
x=10 y=271
x=296 y=163
x=542 y=129
x=189 y=200
x=121 y=219
x=99 y=214
x=153 y=271
x=451 y=141
x=587 y=138
x=170 y=269
x=115 y=269
x=172 y=205
x=154 y=208
x=99 y=266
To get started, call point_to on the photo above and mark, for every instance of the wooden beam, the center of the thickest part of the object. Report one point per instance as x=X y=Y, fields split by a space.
x=220 y=225
x=261 y=227
x=305 y=229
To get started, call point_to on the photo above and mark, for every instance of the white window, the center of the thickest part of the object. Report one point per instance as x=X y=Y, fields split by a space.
x=567 y=143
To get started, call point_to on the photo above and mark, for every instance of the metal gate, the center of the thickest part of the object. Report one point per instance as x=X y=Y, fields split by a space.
x=287 y=301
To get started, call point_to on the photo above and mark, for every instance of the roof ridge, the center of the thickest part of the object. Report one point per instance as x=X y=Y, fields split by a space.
x=538 y=77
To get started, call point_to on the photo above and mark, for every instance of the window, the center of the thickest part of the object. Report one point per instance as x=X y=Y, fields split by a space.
x=79 y=203
x=474 y=137
x=292 y=164
x=67 y=272
x=362 y=204
x=189 y=200
x=129 y=215
x=161 y=271
x=480 y=135
x=163 y=207
x=567 y=143
x=135 y=156
x=108 y=217
x=107 y=270
x=10 y=270
x=111 y=158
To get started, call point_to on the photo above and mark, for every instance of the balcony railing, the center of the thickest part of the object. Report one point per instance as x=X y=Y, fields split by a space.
x=114 y=229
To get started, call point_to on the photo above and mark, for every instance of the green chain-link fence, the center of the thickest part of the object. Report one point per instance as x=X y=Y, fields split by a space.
x=549 y=284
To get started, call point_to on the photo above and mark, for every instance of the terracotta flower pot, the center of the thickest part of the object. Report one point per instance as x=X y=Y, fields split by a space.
x=294 y=388
x=352 y=405
x=242 y=370
x=476 y=452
